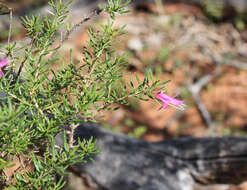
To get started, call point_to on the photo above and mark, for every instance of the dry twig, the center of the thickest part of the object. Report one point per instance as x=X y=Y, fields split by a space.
x=195 y=90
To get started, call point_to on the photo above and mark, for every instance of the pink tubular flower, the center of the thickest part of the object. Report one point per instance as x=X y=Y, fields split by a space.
x=2 y=64
x=167 y=100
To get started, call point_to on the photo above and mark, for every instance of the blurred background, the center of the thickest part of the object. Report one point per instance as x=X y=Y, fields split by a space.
x=199 y=45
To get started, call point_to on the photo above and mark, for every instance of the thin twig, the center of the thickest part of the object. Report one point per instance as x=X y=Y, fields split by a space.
x=21 y=67
x=236 y=63
x=10 y=24
x=203 y=110
x=96 y=12
x=231 y=62
x=9 y=36
x=68 y=33
x=71 y=134
x=195 y=90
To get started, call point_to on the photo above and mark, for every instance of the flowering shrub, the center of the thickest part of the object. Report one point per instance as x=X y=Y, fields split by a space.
x=34 y=107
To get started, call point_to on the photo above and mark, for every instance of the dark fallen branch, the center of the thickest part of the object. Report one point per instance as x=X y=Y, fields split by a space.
x=132 y=164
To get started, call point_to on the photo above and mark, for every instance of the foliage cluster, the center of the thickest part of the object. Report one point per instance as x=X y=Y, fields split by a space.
x=33 y=107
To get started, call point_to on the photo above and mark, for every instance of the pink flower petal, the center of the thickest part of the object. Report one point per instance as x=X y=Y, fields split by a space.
x=163 y=97
x=176 y=101
x=168 y=100
x=165 y=105
x=3 y=62
x=1 y=73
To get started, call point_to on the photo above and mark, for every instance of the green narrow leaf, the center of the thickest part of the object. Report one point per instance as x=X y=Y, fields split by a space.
x=137 y=78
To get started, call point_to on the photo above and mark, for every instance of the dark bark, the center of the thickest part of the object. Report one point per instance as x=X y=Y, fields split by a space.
x=127 y=163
